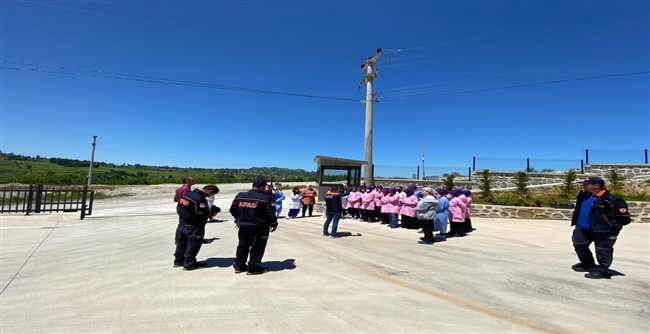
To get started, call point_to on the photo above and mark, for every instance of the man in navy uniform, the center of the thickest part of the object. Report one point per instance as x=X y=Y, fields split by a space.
x=254 y=213
x=598 y=217
x=193 y=213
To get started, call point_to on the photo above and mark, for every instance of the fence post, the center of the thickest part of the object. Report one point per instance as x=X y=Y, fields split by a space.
x=418 y=174
x=39 y=198
x=587 y=155
x=30 y=197
x=469 y=173
x=527 y=165
x=646 y=156
x=83 y=202
x=473 y=163
x=582 y=166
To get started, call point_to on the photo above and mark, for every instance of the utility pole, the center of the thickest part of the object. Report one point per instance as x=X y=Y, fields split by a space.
x=89 y=178
x=92 y=162
x=423 y=173
x=370 y=66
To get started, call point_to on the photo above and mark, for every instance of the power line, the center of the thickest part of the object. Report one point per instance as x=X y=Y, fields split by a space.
x=522 y=85
x=121 y=76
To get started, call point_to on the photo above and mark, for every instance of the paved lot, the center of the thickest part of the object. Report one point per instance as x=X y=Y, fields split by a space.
x=112 y=272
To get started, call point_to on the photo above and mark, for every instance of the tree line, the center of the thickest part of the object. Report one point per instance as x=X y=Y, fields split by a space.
x=16 y=168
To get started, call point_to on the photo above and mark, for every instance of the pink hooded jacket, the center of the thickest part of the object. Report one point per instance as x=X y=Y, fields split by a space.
x=457 y=209
x=368 y=200
x=408 y=206
x=354 y=200
x=390 y=203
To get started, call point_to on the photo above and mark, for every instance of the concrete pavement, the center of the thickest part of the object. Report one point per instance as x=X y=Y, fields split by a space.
x=112 y=272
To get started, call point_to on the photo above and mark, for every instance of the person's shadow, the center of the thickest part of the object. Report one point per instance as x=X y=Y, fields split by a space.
x=288 y=264
x=225 y=262
x=615 y=273
x=221 y=262
x=346 y=234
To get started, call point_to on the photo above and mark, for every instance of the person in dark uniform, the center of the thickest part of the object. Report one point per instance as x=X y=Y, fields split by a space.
x=193 y=213
x=598 y=217
x=254 y=213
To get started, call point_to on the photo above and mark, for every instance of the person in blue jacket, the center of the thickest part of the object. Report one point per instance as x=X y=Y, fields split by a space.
x=598 y=217
x=442 y=213
x=278 y=196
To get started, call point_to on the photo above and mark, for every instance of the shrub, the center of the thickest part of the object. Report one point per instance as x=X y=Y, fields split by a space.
x=615 y=180
x=521 y=182
x=486 y=185
x=448 y=180
x=568 y=188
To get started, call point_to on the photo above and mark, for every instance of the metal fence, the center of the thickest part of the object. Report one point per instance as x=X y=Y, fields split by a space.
x=39 y=199
x=418 y=172
x=526 y=164
x=616 y=156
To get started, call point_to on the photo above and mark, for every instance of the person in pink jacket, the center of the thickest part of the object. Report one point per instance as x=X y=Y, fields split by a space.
x=467 y=227
x=457 y=211
x=354 y=203
x=382 y=201
x=391 y=202
x=368 y=204
x=379 y=194
x=409 y=202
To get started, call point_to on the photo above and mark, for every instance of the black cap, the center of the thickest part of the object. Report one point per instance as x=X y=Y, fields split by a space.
x=259 y=183
x=594 y=180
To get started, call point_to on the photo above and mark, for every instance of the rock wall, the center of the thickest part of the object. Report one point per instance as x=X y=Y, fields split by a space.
x=640 y=212
x=629 y=171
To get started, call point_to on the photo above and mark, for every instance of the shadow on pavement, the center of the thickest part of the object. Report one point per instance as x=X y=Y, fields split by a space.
x=288 y=264
x=221 y=262
x=346 y=234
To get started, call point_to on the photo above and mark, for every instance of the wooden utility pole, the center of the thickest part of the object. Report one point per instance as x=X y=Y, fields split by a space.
x=371 y=69
x=92 y=162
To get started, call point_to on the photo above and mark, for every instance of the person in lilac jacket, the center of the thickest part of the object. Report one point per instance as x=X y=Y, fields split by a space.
x=457 y=210
x=468 y=218
x=392 y=203
x=368 y=204
x=379 y=193
x=382 y=201
x=354 y=203
x=409 y=202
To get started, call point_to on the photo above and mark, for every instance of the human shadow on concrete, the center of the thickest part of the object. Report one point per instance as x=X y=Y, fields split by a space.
x=346 y=234
x=209 y=240
x=288 y=264
x=221 y=262
x=615 y=272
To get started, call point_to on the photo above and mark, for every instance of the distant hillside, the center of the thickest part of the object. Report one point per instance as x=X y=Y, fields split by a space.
x=15 y=168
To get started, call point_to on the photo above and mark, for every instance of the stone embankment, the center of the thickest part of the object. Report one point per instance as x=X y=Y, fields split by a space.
x=640 y=212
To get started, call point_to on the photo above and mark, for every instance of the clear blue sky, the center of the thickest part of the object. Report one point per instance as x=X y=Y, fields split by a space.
x=74 y=69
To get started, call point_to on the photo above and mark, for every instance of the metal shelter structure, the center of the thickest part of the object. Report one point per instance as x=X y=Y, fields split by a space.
x=333 y=171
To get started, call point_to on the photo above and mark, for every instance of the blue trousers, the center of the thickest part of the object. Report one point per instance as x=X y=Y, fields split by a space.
x=332 y=217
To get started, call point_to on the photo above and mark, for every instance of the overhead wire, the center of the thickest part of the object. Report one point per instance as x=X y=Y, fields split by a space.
x=121 y=76
x=522 y=85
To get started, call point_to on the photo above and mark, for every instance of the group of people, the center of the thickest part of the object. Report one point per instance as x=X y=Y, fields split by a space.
x=426 y=209
x=305 y=199
x=255 y=217
x=598 y=218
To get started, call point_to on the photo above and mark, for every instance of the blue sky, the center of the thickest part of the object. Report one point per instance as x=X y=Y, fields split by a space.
x=74 y=69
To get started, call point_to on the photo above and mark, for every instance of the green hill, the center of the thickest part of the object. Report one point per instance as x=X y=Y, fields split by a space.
x=15 y=168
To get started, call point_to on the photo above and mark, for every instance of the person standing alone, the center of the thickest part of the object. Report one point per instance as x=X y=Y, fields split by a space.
x=598 y=217
x=254 y=213
x=333 y=209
